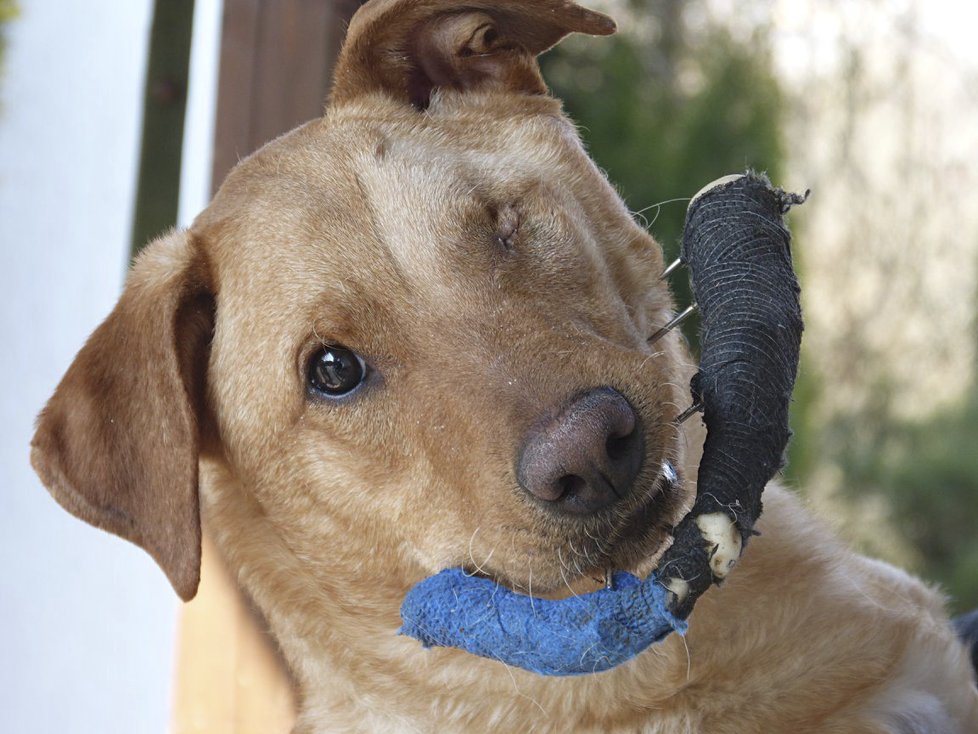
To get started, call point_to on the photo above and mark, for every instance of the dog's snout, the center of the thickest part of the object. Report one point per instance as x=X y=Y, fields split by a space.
x=585 y=458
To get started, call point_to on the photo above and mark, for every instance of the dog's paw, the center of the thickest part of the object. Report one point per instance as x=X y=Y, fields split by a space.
x=724 y=542
x=678 y=590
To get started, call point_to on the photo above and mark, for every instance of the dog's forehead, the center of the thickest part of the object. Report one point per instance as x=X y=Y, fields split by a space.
x=355 y=197
x=432 y=191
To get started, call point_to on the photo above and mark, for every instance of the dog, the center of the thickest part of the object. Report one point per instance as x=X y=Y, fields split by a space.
x=337 y=370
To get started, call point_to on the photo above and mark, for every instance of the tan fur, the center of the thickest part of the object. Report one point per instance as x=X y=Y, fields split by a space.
x=456 y=235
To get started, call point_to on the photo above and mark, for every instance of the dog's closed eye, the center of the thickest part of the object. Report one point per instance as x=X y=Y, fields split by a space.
x=508 y=220
x=335 y=372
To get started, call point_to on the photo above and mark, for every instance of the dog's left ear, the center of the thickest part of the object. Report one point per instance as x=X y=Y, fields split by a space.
x=409 y=48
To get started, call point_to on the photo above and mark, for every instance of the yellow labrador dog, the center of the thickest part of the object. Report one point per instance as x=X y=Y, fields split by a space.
x=337 y=367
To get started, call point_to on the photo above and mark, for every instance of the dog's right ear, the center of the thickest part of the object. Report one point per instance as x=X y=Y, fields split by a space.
x=117 y=444
x=409 y=48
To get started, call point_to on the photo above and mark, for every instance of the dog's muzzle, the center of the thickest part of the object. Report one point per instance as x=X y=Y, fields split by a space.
x=738 y=253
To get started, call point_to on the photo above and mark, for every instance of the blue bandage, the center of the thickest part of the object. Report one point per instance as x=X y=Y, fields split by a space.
x=574 y=636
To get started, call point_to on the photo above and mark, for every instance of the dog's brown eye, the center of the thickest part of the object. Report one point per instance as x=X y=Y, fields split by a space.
x=336 y=371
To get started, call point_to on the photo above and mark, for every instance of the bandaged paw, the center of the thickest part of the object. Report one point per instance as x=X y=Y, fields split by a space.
x=723 y=542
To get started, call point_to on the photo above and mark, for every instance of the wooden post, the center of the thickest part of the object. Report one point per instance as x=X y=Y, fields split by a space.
x=276 y=65
x=229 y=676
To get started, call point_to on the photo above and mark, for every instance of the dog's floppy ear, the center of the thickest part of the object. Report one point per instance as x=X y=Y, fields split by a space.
x=408 y=48
x=117 y=444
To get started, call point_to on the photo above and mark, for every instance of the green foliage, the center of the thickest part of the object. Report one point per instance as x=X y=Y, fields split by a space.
x=664 y=116
x=803 y=450
x=929 y=472
x=8 y=10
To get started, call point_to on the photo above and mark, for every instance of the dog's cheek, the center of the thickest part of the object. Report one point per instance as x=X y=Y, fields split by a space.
x=456 y=479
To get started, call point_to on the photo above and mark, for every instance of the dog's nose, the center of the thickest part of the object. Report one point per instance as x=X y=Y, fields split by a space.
x=587 y=457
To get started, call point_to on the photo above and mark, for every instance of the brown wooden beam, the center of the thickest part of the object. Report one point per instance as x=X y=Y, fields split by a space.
x=276 y=65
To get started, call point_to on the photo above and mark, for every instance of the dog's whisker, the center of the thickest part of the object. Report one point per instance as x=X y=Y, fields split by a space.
x=479 y=567
x=516 y=689
x=587 y=557
x=673 y=267
x=472 y=540
x=315 y=333
x=485 y=563
x=659 y=205
x=573 y=549
x=588 y=534
x=599 y=547
x=669 y=383
x=649 y=358
x=689 y=658
x=576 y=558
x=563 y=574
x=674 y=322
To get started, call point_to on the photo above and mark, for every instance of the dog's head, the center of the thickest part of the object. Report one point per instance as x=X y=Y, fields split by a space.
x=415 y=328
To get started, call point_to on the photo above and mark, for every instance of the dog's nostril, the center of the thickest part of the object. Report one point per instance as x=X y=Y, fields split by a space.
x=570 y=486
x=618 y=446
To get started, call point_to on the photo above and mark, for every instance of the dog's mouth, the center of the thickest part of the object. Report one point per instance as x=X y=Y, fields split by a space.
x=653 y=513
x=638 y=539
x=586 y=554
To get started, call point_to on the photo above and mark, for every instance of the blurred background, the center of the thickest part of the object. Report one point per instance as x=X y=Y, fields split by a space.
x=871 y=104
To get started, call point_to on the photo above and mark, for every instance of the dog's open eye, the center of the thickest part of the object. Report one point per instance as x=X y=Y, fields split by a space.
x=335 y=371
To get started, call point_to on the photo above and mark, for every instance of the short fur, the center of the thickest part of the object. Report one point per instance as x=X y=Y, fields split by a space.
x=443 y=220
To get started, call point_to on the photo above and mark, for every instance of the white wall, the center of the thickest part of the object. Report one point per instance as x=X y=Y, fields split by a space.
x=87 y=621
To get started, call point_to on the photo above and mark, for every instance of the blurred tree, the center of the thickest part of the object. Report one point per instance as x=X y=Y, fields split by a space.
x=887 y=404
x=929 y=470
x=164 y=108
x=675 y=100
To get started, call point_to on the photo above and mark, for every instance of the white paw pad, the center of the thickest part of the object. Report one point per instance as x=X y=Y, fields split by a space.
x=679 y=588
x=723 y=539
